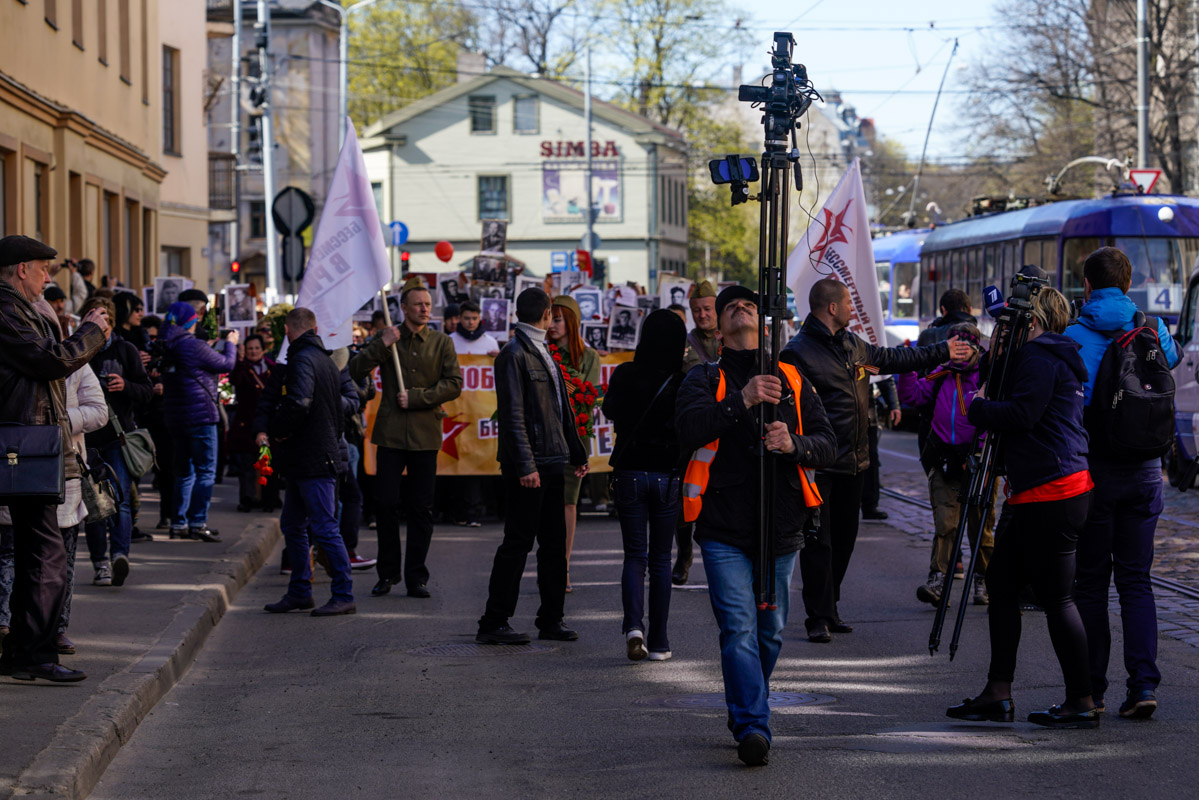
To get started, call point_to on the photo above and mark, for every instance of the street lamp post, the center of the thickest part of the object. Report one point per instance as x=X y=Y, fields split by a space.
x=343 y=57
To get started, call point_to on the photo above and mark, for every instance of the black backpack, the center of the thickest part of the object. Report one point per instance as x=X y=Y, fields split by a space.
x=1131 y=416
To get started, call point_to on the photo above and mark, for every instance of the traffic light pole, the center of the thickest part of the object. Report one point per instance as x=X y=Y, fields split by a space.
x=274 y=280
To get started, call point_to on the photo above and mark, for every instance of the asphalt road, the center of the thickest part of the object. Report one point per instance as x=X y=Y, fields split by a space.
x=297 y=707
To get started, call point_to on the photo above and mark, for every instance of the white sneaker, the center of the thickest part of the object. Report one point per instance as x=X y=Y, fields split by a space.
x=660 y=655
x=103 y=574
x=635 y=645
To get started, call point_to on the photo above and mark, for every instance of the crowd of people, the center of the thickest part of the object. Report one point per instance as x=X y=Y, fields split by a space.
x=686 y=413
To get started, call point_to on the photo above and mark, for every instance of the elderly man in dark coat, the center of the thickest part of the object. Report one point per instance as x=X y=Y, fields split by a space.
x=33 y=369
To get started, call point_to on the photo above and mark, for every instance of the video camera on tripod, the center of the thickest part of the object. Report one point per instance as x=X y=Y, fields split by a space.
x=1013 y=320
x=783 y=102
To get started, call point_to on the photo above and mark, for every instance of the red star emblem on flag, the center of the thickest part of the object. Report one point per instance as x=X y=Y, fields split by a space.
x=834 y=231
x=450 y=428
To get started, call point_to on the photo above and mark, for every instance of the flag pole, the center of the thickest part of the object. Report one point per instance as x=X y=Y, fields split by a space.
x=395 y=354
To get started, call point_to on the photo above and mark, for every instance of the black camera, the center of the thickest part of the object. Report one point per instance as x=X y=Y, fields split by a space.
x=786 y=98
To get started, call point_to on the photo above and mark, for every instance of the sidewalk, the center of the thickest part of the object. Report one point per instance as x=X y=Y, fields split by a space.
x=134 y=642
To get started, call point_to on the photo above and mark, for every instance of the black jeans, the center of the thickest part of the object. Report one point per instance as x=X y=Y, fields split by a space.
x=870 y=480
x=1035 y=544
x=415 y=490
x=532 y=515
x=825 y=558
x=39 y=589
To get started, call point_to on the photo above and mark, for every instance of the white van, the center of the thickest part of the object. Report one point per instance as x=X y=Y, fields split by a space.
x=1183 y=463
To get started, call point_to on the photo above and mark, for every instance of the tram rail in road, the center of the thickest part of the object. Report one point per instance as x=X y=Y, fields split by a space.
x=1164 y=583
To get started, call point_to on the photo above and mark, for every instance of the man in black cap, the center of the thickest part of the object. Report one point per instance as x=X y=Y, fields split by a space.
x=57 y=299
x=34 y=365
x=717 y=410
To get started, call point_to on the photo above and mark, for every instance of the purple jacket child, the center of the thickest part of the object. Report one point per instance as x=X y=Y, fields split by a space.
x=190 y=384
x=952 y=391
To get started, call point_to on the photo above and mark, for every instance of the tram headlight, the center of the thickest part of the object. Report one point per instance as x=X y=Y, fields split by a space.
x=1165 y=214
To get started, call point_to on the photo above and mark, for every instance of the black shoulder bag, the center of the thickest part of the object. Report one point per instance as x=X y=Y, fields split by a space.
x=32 y=465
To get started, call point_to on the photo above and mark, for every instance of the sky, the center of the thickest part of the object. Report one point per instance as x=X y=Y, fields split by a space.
x=885 y=58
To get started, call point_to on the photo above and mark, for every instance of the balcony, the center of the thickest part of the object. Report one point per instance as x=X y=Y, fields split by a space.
x=220 y=10
x=221 y=177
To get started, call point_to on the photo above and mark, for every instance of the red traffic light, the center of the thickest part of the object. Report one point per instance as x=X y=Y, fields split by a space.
x=235 y=267
x=404 y=256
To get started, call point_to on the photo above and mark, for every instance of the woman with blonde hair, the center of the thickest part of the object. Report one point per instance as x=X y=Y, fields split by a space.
x=1048 y=494
x=580 y=368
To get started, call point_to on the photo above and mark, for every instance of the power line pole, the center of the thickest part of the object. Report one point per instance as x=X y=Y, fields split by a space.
x=1195 y=20
x=1142 y=87
x=590 y=211
x=235 y=130
x=274 y=280
x=911 y=220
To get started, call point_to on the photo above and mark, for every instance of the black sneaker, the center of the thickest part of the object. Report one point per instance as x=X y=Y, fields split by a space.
x=204 y=534
x=501 y=635
x=1140 y=704
x=754 y=750
x=120 y=569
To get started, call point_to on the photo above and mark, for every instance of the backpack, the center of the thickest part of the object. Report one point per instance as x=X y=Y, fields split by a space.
x=1131 y=416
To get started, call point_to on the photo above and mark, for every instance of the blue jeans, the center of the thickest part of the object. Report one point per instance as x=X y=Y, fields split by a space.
x=648 y=506
x=311 y=505
x=195 y=474
x=1118 y=539
x=750 y=639
x=115 y=532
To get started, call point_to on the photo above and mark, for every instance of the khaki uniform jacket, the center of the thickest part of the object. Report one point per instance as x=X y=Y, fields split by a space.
x=431 y=376
x=700 y=350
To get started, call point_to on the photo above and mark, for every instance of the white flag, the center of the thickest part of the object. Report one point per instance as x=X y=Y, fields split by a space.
x=348 y=262
x=837 y=245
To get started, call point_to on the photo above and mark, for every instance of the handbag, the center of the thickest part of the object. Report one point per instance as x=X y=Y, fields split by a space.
x=137 y=447
x=31 y=462
x=101 y=496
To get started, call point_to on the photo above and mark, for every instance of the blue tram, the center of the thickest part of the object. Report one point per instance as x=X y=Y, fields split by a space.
x=897 y=260
x=1160 y=234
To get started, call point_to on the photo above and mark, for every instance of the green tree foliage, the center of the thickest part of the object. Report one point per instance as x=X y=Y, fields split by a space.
x=721 y=239
x=400 y=52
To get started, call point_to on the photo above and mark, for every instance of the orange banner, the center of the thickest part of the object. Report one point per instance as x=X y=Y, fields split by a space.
x=469 y=434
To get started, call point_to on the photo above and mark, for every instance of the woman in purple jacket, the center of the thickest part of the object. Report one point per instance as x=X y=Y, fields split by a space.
x=950 y=389
x=189 y=408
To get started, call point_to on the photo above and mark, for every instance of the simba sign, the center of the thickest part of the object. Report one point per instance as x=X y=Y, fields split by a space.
x=578 y=150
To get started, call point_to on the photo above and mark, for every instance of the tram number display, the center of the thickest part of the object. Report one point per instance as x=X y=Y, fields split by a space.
x=1163 y=299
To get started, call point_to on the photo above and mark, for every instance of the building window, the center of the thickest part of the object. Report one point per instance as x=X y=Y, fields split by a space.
x=493 y=197
x=102 y=31
x=123 y=35
x=524 y=114
x=170 y=100
x=482 y=114
x=3 y=195
x=145 y=76
x=52 y=14
x=40 y=201
x=377 y=192
x=257 y=219
x=77 y=23
x=171 y=261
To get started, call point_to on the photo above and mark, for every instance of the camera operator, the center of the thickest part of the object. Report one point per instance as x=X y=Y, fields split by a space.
x=190 y=412
x=840 y=365
x=1125 y=506
x=1049 y=491
x=715 y=418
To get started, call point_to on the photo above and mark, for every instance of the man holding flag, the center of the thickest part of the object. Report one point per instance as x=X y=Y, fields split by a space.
x=840 y=349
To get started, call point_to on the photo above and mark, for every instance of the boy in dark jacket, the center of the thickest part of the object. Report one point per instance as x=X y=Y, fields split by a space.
x=538 y=437
x=304 y=426
x=189 y=409
x=726 y=527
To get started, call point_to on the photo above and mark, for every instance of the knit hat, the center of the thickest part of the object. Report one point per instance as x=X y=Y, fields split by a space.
x=566 y=301
x=181 y=314
x=16 y=249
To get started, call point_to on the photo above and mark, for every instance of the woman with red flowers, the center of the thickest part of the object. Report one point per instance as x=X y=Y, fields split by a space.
x=580 y=367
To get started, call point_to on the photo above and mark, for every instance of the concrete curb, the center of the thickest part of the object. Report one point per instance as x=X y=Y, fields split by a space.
x=83 y=747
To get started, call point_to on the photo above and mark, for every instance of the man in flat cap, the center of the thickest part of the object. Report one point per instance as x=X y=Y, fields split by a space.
x=34 y=365
x=703 y=347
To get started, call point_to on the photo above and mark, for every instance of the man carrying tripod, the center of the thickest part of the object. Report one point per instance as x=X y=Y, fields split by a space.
x=716 y=417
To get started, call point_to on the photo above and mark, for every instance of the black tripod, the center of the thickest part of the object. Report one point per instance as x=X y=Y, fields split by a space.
x=783 y=102
x=982 y=470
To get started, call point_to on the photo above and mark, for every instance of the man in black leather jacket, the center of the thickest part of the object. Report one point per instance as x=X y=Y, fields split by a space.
x=304 y=423
x=538 y=435
x=726 y=528
x=840 y=364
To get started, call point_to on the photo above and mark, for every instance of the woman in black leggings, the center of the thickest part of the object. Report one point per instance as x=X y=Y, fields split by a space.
x=1048 y=495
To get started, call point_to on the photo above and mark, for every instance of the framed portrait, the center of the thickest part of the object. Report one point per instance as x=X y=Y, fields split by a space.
x=148 y=299
x=647 y=303
x=490 y=269
x=393 y=308
x=495 y=236
x=452 y=289
x=495 y=317
x=239 y=306
x=435 y=323
x=595 y=335
x=619 y=296
x=673 y=290
x=527 y=282
x=624 y=327
x=591 y=302
x=368 y=310
x=166 y=291
x=563 y=282
x=483 y=291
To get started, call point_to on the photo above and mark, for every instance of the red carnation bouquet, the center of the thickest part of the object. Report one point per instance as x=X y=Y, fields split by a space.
x=263 y=466
x=584 y=397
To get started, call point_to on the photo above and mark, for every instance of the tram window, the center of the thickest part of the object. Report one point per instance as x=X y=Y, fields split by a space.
x=974 y=277
x=903 y=277
x=990 y=266
x=1074 y=255
x=1186 y=325
x=1159 y=267
x=1009 y=264
x=928 y=287
x=884 y=285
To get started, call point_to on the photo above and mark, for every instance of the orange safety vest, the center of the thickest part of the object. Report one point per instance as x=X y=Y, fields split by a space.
x=695 y=480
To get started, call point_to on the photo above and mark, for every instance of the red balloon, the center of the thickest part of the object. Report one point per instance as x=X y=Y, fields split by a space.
x=444 y=251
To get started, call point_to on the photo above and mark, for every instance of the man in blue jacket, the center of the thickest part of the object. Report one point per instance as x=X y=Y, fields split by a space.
x=1125 y=505
x=189 y=409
